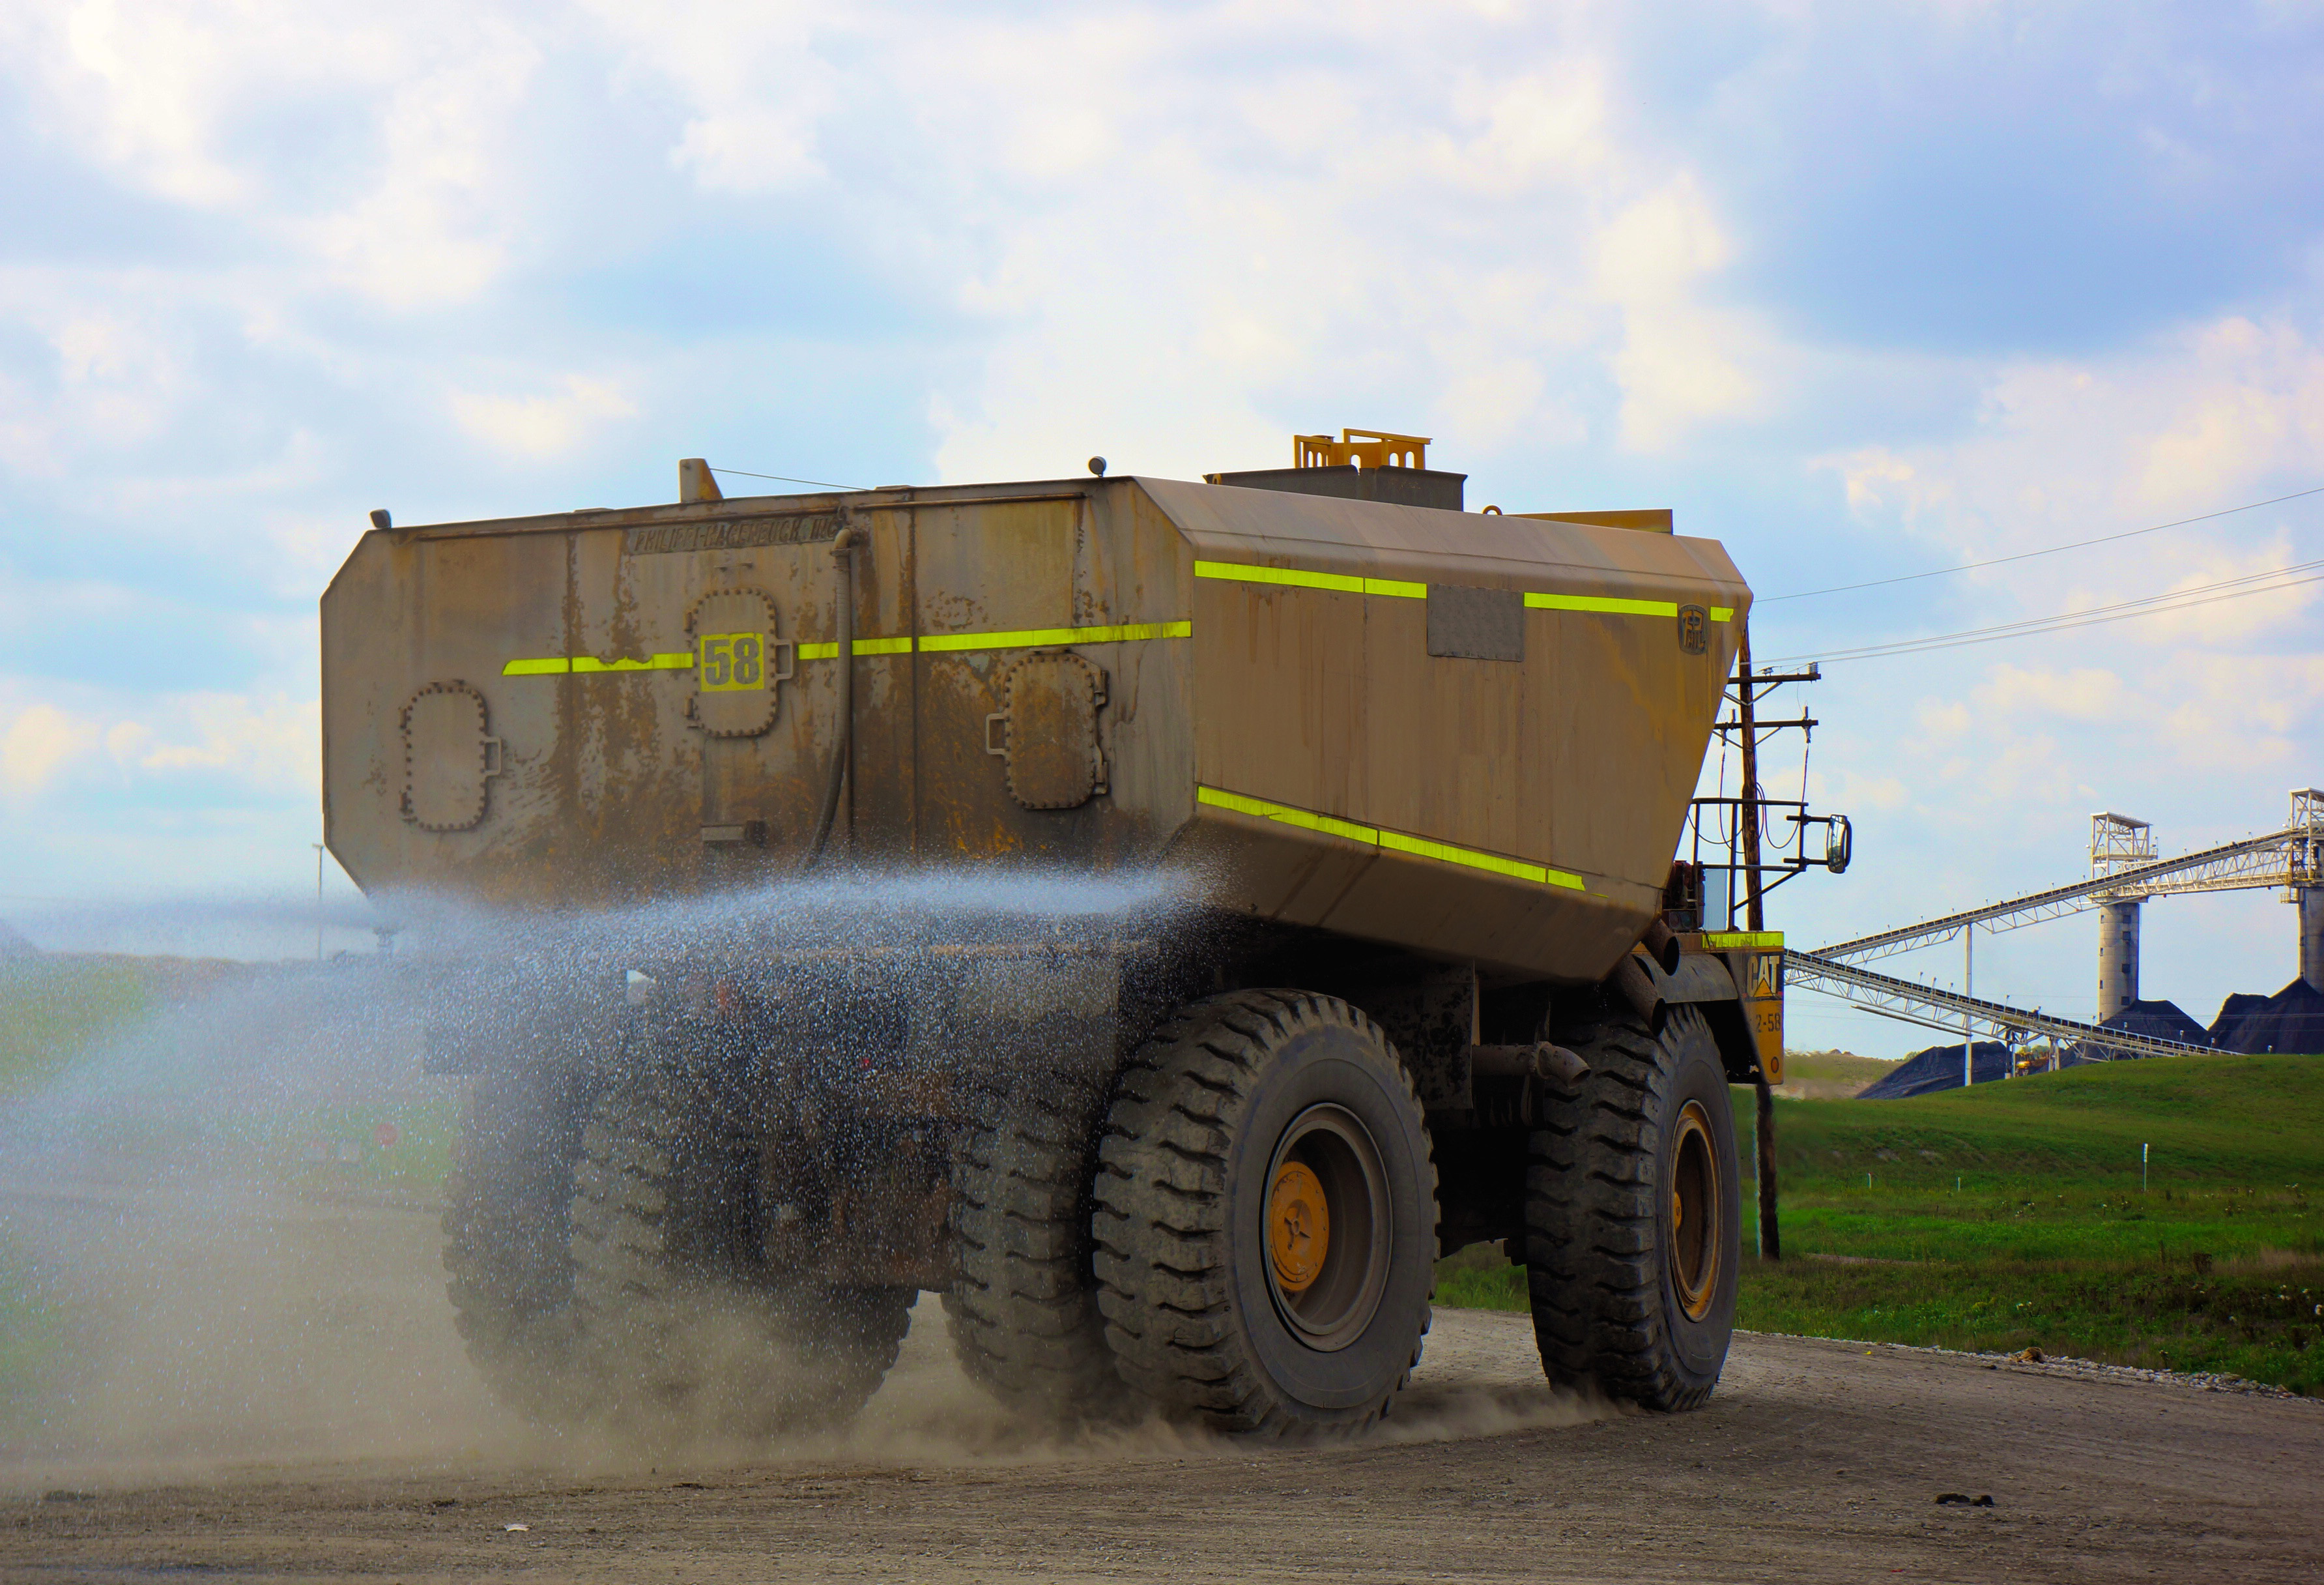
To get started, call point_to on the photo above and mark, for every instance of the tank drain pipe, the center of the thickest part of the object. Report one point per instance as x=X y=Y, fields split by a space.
x=843 y=748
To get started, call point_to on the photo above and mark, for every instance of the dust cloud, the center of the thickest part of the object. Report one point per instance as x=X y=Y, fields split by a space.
x=218 y=1222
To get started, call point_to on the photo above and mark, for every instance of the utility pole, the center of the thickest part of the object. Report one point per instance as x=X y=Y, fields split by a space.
x=319 y=901
x=1755 y=918
x=1969 y=988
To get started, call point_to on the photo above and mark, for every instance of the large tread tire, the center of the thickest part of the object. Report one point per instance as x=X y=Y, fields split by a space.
x=1022 y=1306
x=1181 y=1193
x=505 y=1229
x=1606 y=1303
x=681 y=1326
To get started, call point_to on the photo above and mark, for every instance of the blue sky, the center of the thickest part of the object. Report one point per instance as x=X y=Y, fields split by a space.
x=1858 y=289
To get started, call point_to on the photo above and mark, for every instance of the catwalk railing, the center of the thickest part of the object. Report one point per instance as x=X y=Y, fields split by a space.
x=1952 y=1012
x=2294 y=857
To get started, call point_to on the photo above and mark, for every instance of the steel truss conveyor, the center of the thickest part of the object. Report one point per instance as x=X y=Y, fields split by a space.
x=2292 y=857
x=1925 y=1004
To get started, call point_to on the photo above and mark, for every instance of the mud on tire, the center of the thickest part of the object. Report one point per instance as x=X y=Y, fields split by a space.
x=680 y=1327
x=1630 y=1296
x=1205 y=1313
x=1022 y=1305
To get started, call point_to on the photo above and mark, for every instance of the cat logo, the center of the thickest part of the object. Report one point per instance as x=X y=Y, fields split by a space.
x=1693 y=630
x=1767 y=977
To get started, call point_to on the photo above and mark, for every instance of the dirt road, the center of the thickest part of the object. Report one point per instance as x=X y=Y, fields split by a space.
x=1818 y=1461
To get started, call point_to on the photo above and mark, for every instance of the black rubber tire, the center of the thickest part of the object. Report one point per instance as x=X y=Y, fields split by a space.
x=1598 y=1240
x=1182 y=1185
x=1022 y=1306
x=681 y=1326
x=505 y=1227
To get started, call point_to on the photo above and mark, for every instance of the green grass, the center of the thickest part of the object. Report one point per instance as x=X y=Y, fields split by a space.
x=2012 y=1215
x=337 y=1148
x=49 y=1009
x=1480 y=1278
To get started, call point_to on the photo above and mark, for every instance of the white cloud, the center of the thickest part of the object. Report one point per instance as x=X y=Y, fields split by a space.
x=2251 y=711
x=753 y=86
x=145 y=84
x=2191 y=423
x=2081 y=693
x=267 y=743
x=39 y=742
x=1681 y=362
x=432 y=229
x=210 y=108
x=542 y=426
x=273 y=743
x=1176 y=225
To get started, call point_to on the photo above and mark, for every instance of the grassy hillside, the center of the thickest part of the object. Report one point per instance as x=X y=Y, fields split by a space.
x=1832 y=1075
x=2211 y=1120
x=2012 y=1215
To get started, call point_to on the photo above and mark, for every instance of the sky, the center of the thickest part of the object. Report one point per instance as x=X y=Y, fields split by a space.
x=1860 y=290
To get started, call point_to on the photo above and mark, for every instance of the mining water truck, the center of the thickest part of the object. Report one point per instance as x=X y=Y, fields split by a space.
x=754 y=1058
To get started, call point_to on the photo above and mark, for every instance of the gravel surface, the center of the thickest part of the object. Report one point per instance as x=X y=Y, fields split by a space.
x=2091 y=1369
x=1818 y=1461
x=277 y=1394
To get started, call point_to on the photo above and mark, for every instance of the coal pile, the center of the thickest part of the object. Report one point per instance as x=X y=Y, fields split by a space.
x=2155 y=1020
x=2291 y=1020
x=1925 y=1072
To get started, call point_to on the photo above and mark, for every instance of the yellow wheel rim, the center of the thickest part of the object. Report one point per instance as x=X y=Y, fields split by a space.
x=1298 y=1227
x=1694 y=1242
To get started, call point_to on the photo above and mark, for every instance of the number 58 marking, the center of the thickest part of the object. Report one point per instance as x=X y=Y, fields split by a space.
x=732 y=662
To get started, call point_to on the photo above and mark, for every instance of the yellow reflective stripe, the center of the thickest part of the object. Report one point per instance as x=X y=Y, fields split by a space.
x=1444 y=852
x=1741 y=940
x=1037 y=637
x=864 y=647
x=1304 y=820
x=677 y=662
x=1395 y=841
x=1298 y=578
x=1399 y=588
x=1025 y=639
x=590 y=665
x=1293 y=577
x=1602 y=603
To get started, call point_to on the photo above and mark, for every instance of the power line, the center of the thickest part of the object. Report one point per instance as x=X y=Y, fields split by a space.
x=780 y=479
x=2064 y=623
x=2204 y=594
x=2107 y=539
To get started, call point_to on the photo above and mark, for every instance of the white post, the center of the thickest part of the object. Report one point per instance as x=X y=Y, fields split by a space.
x=2142 y=1166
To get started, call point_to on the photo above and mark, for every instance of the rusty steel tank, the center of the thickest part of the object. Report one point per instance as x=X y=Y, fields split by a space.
x=1416 y=775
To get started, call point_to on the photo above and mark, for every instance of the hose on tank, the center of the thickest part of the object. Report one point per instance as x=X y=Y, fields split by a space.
x=842 y=750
